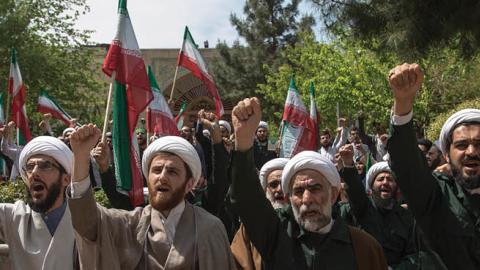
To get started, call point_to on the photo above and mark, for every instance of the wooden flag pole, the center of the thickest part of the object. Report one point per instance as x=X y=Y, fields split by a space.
x=109 y=104
x=173 y=85
x=7 y=112
x=146 y=125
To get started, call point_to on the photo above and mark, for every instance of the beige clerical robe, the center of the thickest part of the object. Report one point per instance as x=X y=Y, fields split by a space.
x=116 y=239
x=31 y=246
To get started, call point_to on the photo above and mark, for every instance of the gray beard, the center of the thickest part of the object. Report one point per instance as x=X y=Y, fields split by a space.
x=276 y=204
x=313 y=225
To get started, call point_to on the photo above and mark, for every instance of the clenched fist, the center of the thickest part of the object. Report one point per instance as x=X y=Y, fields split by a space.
x=405 y=81
x=245 y=118
x=346 y=154
x=82 y=141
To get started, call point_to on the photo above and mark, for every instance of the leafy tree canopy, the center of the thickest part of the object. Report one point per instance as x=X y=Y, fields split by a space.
x=408 y=27
x=52 y=55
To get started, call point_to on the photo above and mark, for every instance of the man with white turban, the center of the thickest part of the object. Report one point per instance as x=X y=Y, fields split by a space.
x=447 y=208
x=169 y=233
x=261 y=152
x=303 y=235
x=244 y=252
x=39 y=232
x=381 y=214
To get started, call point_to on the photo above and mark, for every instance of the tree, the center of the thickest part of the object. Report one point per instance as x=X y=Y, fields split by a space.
x=408 y=27
x=343 y=73
x=52 y=55
x=267 y=28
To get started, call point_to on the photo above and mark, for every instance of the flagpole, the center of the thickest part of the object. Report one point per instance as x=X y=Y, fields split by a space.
x=173 y=85
x=148 y=132
x=7 y=112
x=107 y=111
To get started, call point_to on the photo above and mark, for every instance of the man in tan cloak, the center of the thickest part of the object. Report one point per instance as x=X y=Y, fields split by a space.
x=169 y=233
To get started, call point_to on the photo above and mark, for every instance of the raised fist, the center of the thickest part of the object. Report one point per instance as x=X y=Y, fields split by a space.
x=346 y=154
x=245 y=118
x=83 y=139
x=405 y=81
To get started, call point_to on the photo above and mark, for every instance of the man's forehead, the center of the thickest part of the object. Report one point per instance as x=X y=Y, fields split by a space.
x=466 y=132
x=309 y=176
x=40 y=157
x=275 y=174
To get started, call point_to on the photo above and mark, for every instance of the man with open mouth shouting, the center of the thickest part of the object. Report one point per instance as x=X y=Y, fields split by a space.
x=39 y=233
x=447 y=208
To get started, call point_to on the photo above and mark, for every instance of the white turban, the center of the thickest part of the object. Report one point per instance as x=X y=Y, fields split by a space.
x=374 y=171
x=267 y=168
x=262 y=124
x=309 y=160
x=226 y=125
x=174 y=145
x=463 y=116
x=48 y=146
x=67 y=130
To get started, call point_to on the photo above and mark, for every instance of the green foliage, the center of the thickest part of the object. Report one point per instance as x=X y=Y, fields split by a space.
x=343 y=73
x=12 y=191
x=102 y=199
x=52 y=55
x=267 y=27
x=407 y=27
x=433 y=131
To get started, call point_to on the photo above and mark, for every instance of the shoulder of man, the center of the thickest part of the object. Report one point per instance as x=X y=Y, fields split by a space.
x=368 y=252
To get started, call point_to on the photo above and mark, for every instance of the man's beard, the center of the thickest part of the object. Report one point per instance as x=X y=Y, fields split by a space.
x=273 y=198
x=381 y=202
x=313 y=224
x=468 y=182
x=167 y=202
x=44 y=205
x=435 y=163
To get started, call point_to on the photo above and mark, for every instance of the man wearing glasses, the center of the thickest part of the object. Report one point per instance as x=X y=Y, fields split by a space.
x=39 y=232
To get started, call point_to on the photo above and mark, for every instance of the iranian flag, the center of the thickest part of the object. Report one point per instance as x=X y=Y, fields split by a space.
x=191 y=59
x=314 y=117
x=179 y=119
x=159 y=117
x=297 y=131
x=46 y=104
x=18 y=92
x=131 y=96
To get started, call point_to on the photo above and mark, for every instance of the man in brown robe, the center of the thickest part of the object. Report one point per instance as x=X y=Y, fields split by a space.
x=169 y=233
x=244 y=252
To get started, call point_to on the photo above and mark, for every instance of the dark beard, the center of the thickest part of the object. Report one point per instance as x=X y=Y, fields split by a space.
x=52 y=194
x=382 y=203
x=469 y=182
x=435 y=164
x=176 y=197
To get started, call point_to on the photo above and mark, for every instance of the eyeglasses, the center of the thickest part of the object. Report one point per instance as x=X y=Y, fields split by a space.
x=274 y=184
x=43 y=166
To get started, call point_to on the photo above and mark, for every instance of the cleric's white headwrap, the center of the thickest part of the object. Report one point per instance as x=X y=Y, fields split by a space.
x=48 y=146
x=67 y=130
x=226 y=125
x=463 y=116
x=374 y=171
x=267 y=168
x=309 y=160
x=262 y=124
x=175 y=145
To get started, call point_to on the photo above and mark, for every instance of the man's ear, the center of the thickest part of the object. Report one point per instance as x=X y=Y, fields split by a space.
x=66 y=179
x=335 y=191
x=447 y=157
x=190 y=185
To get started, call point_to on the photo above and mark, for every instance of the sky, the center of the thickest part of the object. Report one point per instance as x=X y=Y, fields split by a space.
x=161 y=23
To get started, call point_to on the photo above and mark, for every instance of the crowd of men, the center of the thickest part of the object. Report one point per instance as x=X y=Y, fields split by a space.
x=218 y=197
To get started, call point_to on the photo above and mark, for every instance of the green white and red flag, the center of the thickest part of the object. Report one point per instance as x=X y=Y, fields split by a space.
x=17 y=90
x=179 y=119
x=132 y=94
x=297 y=126
x=46 y=104
x=314 y=117
x=159 y=117
x=191 y=59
